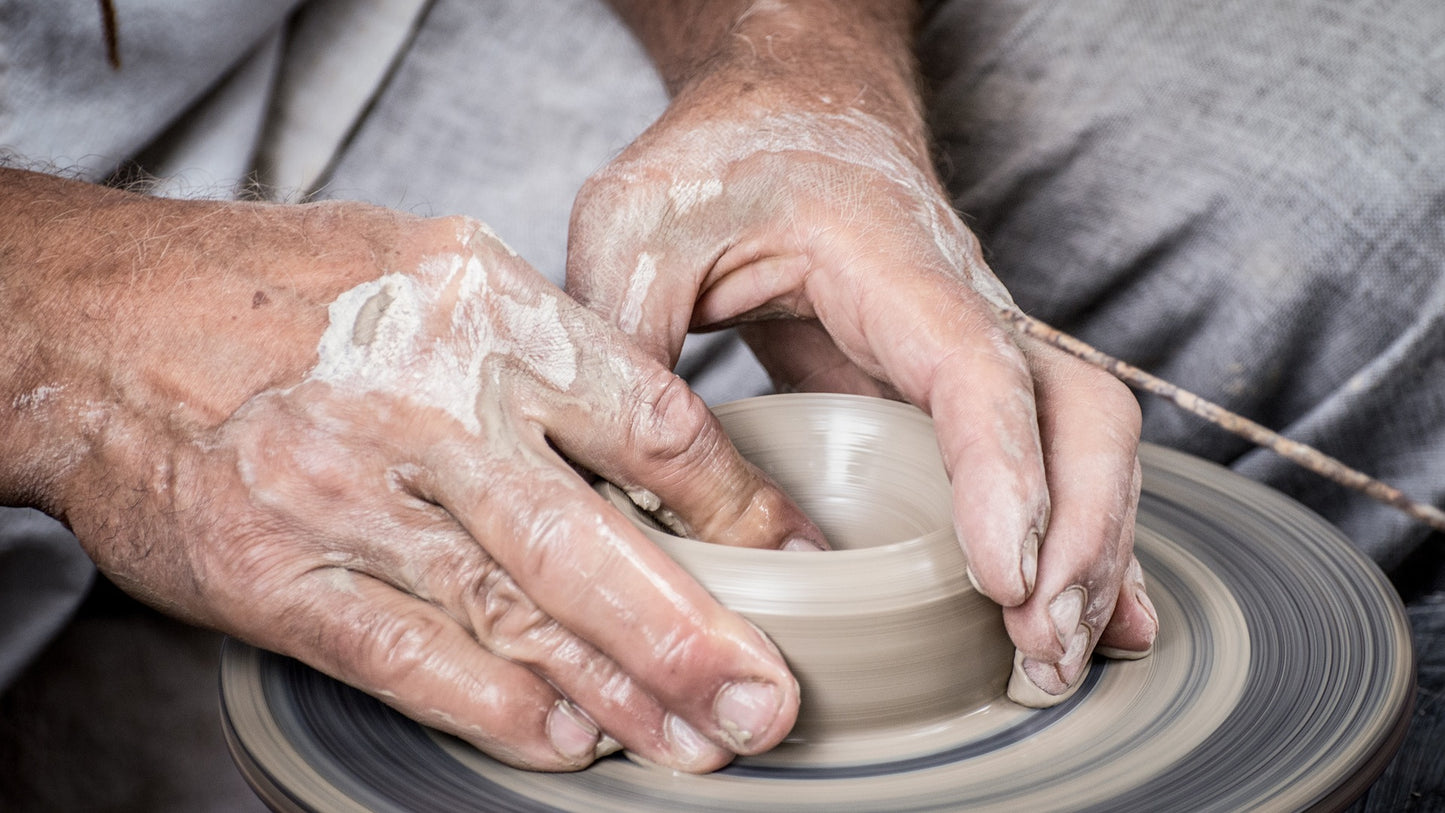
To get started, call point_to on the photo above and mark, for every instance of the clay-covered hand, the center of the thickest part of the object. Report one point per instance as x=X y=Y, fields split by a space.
x=346 y=434
x=788 y=190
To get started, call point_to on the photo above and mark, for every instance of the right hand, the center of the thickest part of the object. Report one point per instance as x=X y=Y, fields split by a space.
x=344 y=434
x=820 y=230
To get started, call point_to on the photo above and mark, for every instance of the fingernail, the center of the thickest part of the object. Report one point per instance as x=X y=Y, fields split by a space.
x=745 y=709
x=571 y=733
x=1134 y=573
x=1072 y=664
x=1029 y=562
x=1148 y=607
x=689 y=746
x=1142 y=599
x=972 y=579
x=800 y=543
x=1040 y=685
x=1066 y=610
x=1134 y=576
x=1141 y=594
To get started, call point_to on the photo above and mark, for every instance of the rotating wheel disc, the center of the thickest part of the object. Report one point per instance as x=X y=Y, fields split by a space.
x=1283 y=679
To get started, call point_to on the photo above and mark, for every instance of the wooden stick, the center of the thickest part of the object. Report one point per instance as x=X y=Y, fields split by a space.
x=1302 y=454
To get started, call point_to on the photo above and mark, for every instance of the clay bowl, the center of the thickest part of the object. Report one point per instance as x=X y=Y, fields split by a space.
x=888 y=639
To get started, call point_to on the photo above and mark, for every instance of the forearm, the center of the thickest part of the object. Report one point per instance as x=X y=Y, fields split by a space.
x=114 y=304
x=37 y=367
x=806 y=55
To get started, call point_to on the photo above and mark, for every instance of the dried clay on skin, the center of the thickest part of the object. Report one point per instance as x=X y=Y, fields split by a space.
x=382 y=336
x=852 y=137
x=637 y=287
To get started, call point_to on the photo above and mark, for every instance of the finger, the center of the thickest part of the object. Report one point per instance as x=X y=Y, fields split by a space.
x=397 y=535
x=448 y=568
x=641 y=243
x=628 y=260
x=1090 y=423
x=800 y=356
x=932 y=337
x=950 y=357
x=946 y=353
x=588 y=568
x=1135 y=624
x=657 y=259
x=417 y=659
x=661 y=444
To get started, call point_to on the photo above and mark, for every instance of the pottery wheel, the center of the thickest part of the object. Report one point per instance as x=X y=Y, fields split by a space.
x=1283 y=679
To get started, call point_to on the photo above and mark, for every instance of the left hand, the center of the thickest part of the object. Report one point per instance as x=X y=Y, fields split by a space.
x=338 y=432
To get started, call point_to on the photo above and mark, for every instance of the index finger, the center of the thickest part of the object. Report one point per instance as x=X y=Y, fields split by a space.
x=941 y=347
x=626 y=416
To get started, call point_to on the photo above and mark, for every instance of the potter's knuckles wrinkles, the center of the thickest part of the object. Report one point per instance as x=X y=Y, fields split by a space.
x=386 y=649
x=668 y=418
x=248 y=560
x=501 y=614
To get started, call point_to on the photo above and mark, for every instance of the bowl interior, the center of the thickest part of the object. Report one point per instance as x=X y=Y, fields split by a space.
x=868 y=472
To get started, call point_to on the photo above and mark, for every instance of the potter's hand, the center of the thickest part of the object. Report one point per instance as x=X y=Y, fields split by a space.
x=338 y=432
x=788 y=189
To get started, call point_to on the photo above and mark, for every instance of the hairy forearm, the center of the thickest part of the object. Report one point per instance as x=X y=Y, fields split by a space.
x=114 y=304
x=805 y=54
x=36 y=366
x=77 y=261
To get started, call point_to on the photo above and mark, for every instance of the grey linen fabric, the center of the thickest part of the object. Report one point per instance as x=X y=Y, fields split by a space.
x=43 y=576
x=63 y=105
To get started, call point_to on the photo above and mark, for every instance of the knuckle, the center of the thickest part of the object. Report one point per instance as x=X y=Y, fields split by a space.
x=449 y=233
x=683 y=657
x=603 y=198
x=506 y=724
x=669 y=421
x=599 y=188
x=461 y=228
x=1115 y=398
x=1107 y=399
x=503 y=616
x=1119 y=410
x=619 y=201
x=395 y=647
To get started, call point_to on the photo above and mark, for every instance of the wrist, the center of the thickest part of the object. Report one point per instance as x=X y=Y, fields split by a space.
x=806 y=57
